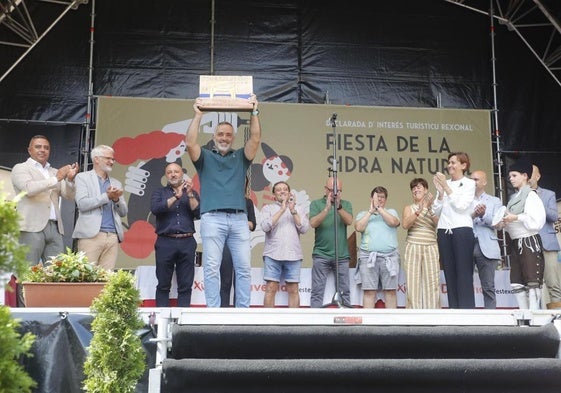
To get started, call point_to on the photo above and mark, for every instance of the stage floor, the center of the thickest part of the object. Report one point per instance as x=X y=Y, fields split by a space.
x=318 y=316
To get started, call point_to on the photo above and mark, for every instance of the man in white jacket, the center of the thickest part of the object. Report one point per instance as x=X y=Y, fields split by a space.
x=41 y=223
x=41 y=228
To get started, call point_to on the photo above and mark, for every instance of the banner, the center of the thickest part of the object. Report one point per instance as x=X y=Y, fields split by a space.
x=146 y=283
x=374 y=146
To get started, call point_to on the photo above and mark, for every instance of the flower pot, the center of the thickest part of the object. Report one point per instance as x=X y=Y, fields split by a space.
x=61 y=294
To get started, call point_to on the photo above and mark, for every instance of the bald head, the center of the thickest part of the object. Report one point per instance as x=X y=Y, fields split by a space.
x=331 y=181
x=536 y=175
x=480 y=179
x=329 y=186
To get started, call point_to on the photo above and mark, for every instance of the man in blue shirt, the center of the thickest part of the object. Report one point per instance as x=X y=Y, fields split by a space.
x=486 y=252
x=551 y=248
x=222 y=172
x=175 y=206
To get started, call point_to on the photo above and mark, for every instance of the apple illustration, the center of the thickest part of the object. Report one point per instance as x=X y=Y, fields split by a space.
x=139 y=240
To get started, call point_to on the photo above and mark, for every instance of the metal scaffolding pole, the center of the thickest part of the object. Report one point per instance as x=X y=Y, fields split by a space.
x=495 y=125
x=85 y=150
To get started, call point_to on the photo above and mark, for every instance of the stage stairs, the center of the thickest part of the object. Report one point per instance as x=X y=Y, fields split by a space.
x=345 y=350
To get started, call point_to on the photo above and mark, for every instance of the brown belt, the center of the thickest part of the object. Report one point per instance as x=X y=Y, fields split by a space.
x=177 y=235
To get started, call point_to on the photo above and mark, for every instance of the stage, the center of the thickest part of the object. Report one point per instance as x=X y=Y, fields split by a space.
x=199 y=346
x=213 y=350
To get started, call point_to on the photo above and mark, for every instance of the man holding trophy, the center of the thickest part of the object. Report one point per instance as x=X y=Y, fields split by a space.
x=222 y=173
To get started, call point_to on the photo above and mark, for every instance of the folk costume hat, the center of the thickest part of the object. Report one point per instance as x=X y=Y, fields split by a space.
x=521 y=166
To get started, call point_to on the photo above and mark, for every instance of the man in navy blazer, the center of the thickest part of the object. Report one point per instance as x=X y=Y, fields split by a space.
x=101 y=205
x=486 y=252
x=552 y=269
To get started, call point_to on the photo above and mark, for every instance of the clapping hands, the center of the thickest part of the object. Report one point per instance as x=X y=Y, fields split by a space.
x=479 y=210
x=427 y=201
x=68 y=172
x=114 y=193
x=439 y=180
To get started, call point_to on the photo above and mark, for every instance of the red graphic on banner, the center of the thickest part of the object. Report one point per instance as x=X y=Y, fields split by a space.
x=139 y=240
x=155 y=144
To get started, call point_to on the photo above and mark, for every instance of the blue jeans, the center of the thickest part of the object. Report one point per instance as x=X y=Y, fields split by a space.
x=226 y=278
x=273 y=270
x=218 y=229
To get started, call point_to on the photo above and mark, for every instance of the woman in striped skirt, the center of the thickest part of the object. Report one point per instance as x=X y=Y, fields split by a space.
x=421 y=259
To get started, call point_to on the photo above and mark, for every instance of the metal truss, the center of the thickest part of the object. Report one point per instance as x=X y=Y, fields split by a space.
x=19 y=28
x=536 y=22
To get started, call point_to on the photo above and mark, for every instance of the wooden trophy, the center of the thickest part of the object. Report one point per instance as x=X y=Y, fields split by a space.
x=225 y=93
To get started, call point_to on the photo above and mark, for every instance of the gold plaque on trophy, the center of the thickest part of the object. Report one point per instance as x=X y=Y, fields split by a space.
x=225 y=93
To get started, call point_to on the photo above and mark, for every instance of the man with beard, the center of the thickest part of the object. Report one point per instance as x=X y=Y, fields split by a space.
x=101 y=205
x=175 y=206
x=222 y=172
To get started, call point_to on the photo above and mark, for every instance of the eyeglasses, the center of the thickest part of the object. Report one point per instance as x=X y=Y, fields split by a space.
x=331 y=189
x=107 y=158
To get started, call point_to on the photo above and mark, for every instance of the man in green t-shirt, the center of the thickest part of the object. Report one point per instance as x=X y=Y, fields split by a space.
x=326 y=214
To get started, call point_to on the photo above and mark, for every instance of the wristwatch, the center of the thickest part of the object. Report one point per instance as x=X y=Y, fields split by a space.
x=255 y=112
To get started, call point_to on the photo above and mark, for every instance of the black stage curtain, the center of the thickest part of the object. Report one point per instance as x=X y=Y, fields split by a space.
x=65 y=149
x=60 y=349
x=395 y=53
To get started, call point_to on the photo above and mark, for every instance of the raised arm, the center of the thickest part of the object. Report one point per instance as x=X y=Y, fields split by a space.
x=193 y=147
x=252 y=144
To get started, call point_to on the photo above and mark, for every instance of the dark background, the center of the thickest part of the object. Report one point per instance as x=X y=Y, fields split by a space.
x=406 y=53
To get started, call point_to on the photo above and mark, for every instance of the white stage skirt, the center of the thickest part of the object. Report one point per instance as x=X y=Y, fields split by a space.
x=146 y=283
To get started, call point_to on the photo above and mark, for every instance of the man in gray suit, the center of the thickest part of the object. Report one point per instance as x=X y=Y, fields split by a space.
x=41 y=223
x=486 y=253
x=101 y=205
x=552 y=269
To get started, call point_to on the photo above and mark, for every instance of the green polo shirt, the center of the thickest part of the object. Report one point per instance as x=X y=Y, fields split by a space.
x=222 y=179
x=324 y=245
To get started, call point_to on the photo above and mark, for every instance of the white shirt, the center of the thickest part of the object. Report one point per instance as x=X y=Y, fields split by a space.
x=282 y=240
x=45 y=171
x=454 y=210
x=530 y=221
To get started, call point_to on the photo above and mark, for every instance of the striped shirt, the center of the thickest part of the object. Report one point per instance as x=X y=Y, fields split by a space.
x=282 y=240
x=423 y=230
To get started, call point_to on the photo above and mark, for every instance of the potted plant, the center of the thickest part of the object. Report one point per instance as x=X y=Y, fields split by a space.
x=13 y=376
x=12 y=253
x=116 y=358
x=67 y=279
